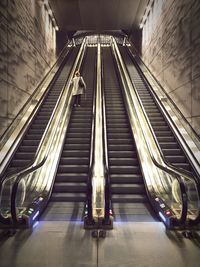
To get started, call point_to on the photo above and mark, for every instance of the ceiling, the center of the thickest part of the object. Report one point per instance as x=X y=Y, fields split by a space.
x=98 y=15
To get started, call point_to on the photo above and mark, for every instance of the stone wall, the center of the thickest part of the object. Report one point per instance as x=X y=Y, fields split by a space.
x=170 y=48
x=27 y=51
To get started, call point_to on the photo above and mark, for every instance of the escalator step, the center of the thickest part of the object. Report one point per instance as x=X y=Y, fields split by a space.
x=76 y=147
x=119 y=141
x=166 y=145
x=124 y=169
x=127 y=189
x=70 y=187
x=22 y=155
x=172 y=152
x=73 y=168
x=71 y=177
x=126 y=178
x=77 y=141
x=74 y=160
x=19 y=162
x=176 y=159
x=75 y=197
x=121 y=154
x=120 y=147
x=75 y=153
x=123 y=161
x=129 y=198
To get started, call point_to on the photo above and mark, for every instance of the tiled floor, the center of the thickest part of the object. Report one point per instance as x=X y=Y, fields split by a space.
x=63 y=244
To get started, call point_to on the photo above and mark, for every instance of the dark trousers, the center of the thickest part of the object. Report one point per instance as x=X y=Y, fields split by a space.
x=77 y=99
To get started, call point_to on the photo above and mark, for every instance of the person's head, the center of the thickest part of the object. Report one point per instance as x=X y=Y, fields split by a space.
x=77 y=73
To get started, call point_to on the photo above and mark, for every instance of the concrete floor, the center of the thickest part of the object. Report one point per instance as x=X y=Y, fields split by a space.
x=63 y=244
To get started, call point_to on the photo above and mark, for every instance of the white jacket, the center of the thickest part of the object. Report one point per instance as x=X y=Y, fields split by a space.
x=77 y=90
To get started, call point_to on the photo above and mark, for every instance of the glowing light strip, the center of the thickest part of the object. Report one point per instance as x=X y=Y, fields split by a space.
x=162 y=216
x=35 y=216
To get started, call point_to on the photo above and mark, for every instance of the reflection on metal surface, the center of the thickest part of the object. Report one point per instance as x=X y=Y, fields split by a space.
x=98 y=201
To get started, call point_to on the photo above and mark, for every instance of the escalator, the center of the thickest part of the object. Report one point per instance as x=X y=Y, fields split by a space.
x=29 y=144
x=69 y=191
x=169 y=145
x=128 y=193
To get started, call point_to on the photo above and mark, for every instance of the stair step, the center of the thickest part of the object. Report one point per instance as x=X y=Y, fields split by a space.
x=73 y=168
x=74 y=160
x=77 y=141
x=123 y=161
x=166 y=145
x=176 y=159
x=119 y=135
x=78 y=135
x=69 y=187
x=76 y=146
x=19 y=162
x=76 y=197
x=172 y=152
x=71 y=177
x=22 y=155
x=120 y=141
x=124 y=169
x=126 y=178
x=30 y=142
x=127 y=189
x=28 y=148
x=75 y=153
x=185 y=165
x=129 y=147
x=166 y=139
x=129 y=198
x=122 y=153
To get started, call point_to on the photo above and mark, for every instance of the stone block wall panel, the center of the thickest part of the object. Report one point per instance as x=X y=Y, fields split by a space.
x=26 y=54
x=171 y=52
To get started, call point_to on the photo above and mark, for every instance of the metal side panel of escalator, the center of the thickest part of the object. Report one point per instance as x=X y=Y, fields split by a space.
x=69 y=191
x=26 y=150
x=129 y=198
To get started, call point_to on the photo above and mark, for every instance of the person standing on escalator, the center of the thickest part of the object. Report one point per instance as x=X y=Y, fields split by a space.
x=79 y=88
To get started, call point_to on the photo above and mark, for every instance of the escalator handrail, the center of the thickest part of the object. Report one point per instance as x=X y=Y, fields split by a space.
x=179 y=171
x=38 y=86
x=183 y=217
x=108 y=203
x=28 y=166
x=16 y=184
x=92 y=152
x=105 y=151
x=162 y=88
